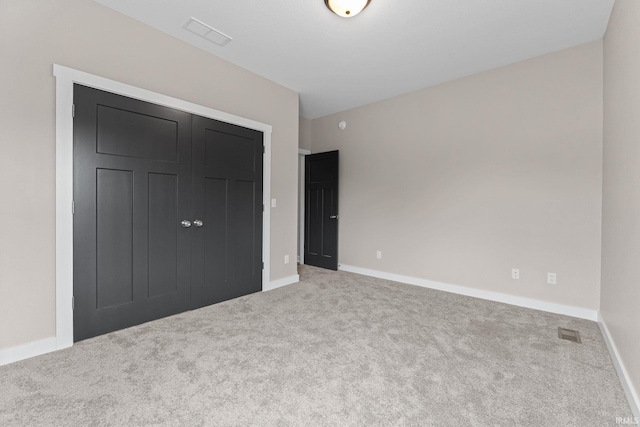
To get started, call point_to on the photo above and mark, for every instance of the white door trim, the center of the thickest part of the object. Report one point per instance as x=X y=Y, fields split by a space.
x=301 y=162
x=65 y=78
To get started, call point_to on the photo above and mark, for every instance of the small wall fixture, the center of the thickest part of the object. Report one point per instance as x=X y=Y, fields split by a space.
x=346 y=8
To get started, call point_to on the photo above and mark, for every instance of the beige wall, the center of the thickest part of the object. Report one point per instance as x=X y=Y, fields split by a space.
x=620 y=296
x=461 y=182
x=87 y=36
x=305 y=133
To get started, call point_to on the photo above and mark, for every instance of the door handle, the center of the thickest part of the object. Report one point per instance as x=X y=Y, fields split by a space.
x=185 y=223
x=333 y=217
x=198 y=223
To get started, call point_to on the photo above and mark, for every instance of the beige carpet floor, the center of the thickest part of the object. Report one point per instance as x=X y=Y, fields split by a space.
x=335 y=349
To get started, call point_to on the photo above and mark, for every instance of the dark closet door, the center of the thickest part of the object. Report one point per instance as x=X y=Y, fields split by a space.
x=227 y=195
x=321 y=210
x=132 y=176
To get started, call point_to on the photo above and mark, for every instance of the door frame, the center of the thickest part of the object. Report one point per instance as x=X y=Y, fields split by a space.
x=65 y=79
x=301 y=153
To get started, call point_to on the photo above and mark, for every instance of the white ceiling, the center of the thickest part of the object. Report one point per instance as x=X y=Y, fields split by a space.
x=392 y=47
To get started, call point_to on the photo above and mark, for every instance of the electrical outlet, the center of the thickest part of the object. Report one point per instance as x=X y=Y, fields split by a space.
x=286 y=259
x=379 y=254
x=551 y=278
x=515 y=273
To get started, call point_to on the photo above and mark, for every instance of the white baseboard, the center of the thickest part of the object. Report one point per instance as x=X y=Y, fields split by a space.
x=568 y=310
x=627 y=385
x=281 y=282
x=35 y=348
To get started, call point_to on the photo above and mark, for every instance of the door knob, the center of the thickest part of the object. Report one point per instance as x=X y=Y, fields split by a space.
x=185 y=223
x=198 y=223
x=333 y=217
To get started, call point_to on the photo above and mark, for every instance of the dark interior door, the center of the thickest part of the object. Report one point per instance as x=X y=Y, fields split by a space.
x=168 y=212
x=227 y=194
x=132 y=173
x=321 y=210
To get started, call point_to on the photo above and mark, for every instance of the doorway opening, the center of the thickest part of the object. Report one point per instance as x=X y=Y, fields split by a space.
x=301 y=159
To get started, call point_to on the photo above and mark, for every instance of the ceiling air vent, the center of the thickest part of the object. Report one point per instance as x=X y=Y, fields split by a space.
x=206 y=32
x=569 y=335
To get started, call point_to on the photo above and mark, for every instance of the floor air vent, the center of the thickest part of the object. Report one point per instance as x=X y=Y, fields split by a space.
x=569 y=335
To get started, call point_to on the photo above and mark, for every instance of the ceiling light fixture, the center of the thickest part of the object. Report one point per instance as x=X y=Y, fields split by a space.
x=346 y=8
